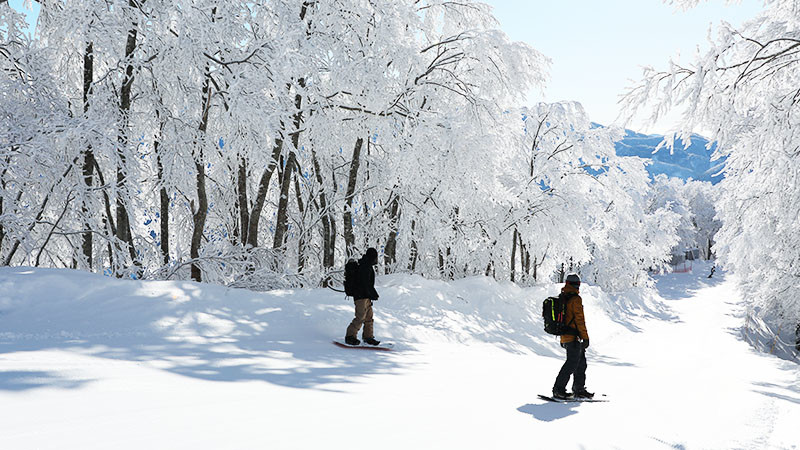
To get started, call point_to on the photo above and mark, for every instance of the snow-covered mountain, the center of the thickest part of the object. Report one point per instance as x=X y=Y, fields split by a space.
x=692 y=161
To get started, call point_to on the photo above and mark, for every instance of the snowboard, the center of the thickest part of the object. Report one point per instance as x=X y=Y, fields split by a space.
x=383 y=346
x=574 y=400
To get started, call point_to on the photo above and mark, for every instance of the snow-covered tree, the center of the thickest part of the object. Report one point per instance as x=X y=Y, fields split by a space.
x=590 y=203
x=694 y=202
x=262 y=143
x=36 y=187
x=744 y=91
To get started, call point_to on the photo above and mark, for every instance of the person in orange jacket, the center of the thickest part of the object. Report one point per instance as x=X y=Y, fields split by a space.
x=575 y=344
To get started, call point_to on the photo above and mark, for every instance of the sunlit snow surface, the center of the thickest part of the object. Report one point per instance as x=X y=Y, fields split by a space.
x=89 y=362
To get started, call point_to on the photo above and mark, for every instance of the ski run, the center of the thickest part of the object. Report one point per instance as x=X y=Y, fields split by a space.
x=92 y=362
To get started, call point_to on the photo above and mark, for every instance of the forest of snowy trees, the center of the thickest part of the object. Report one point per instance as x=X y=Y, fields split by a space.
x=261 y=143
x=744 y=89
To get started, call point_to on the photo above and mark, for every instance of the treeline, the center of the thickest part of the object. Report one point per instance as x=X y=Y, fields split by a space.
x=261 y=143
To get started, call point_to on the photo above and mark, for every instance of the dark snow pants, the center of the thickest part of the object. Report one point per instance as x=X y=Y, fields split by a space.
x=574 y=366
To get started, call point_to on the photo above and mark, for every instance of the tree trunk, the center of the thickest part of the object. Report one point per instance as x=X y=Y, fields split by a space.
x=199 y=215
x=108 y=220
x=390 y=251
x=2 y=195
x=88 y=156
x=2 y=230
x=123 y=220
x=301 y=245
x=201 y=212
x=349 y=236
x=164 y=211
x=450 y=263
x=524 y=259
x=526 y=266
x=514 y=256
x=328 y=220
x=282 y=219
x=263 y=185
x=414 y=250
x=244 y=213
x=261 y=195
x=2 y=192
x=53 y=229
x=446 y=270
x=282 y=215
x=797 y=337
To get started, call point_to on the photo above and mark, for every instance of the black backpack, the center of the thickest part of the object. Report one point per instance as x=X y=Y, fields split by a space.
x=554 y=312
x=351 y=277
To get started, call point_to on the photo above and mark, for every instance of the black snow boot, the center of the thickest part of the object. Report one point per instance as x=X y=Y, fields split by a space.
x=583 y=393
x=351 y=340
x=562 y=395
x=371 y=341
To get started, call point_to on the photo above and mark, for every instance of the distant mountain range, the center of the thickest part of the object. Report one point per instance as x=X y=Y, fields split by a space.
x=693 y=161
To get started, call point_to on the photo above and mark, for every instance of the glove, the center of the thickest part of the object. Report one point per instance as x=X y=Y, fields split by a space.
x=585 y=343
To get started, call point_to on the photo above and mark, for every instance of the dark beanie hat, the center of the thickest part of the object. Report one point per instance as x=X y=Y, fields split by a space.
x=573 y=279
x=372 y=254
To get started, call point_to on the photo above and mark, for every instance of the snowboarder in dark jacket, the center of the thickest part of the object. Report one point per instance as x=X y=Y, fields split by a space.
x=575 y=344
x=365 y=294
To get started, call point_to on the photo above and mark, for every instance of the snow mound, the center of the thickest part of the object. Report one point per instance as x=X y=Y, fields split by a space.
x=54 y=307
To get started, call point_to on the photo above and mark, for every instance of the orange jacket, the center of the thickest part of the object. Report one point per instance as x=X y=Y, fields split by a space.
x=574 y=317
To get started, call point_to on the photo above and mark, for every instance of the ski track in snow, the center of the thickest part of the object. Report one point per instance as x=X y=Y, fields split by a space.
x=88 y=362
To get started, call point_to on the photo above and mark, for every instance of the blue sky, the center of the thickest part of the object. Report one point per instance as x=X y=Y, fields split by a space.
x=597 y=46
x=32 y=13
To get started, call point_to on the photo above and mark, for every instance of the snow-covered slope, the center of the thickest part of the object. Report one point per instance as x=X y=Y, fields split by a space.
x=92 y=362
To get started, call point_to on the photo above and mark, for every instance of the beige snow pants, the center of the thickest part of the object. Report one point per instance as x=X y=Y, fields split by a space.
x=363 y=317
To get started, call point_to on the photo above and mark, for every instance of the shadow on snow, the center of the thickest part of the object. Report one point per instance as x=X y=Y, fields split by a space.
x=788 y=393
x=32 y=379
x=678 y=286
x=210 y=333
x=549 y=411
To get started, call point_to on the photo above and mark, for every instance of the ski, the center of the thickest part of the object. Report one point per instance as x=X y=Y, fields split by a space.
x=573 y=400
x=383 y=346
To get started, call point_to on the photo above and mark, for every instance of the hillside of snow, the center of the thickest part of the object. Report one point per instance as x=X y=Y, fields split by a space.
x=91 y=362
